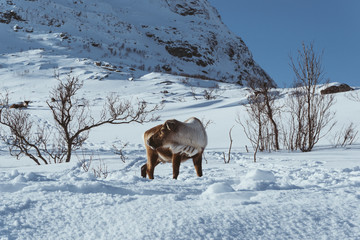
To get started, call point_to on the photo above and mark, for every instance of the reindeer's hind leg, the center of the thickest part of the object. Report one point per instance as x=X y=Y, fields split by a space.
x=197 y=159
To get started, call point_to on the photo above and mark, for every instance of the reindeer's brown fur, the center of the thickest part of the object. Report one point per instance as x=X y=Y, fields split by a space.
x=175 y=142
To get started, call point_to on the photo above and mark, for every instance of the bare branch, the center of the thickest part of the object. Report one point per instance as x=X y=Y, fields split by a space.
x=229 y=153
x=206 y=123
x=354 y=96
x=119 y=151
x=21 y=138
x=346 y=136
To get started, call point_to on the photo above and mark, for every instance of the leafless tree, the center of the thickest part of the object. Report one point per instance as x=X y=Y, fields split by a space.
x=311 y=112
x=255 y=124
x=73 y=121
x=262 y=89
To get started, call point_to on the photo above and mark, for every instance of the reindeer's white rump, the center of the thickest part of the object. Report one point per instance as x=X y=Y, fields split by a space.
x=190 y=138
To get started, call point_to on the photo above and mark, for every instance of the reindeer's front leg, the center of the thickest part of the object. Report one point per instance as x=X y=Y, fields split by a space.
x=176 y=159
x=152 y=161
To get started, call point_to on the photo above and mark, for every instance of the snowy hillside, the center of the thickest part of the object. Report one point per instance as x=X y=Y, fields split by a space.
x=178 y=37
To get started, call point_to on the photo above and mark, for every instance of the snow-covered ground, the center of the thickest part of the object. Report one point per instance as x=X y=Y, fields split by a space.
x=285 y=195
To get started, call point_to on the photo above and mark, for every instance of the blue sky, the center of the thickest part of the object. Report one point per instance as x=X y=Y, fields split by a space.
x=274 y=29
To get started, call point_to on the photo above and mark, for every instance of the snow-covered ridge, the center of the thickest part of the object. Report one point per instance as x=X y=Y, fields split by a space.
x=179 y=37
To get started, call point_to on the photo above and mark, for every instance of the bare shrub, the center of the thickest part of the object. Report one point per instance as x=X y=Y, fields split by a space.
x=85 y=162
x=101 y=171
x=194 y=93
x=255 y=124
x=310 y=112
x=120 y=151
x=73 y=121
x=4 y=100
x=346 y=136
x=208 y=94
x=22 y=137
x=260 y=125
x=261 y=88
x=354 y=96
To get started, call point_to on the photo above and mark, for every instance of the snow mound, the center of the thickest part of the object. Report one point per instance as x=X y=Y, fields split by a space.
x=217 y=188
x=224 y=191
x=258 y=180
x=261 y=175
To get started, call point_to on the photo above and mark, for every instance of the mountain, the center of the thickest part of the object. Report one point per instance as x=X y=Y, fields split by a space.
x=179 y=37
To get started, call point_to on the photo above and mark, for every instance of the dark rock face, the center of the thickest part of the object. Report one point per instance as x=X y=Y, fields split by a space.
x=185 y=50
x=187 y=8
x=6 y=17
x=336 y=89
x=189 y=53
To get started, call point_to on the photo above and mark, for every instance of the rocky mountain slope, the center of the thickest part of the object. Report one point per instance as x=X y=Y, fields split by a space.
x=134 y=36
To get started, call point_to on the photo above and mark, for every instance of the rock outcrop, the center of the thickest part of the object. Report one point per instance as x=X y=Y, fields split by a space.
x=336 y=89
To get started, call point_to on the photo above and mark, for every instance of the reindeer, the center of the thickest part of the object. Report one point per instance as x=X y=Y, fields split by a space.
x=24 y=104
x=176 y=142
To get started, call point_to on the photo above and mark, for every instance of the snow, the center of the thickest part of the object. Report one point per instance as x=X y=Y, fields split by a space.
x=276 y=198
x=284 y=195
